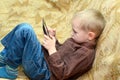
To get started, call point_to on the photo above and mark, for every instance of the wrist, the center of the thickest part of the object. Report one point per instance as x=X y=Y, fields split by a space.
x=51 y=51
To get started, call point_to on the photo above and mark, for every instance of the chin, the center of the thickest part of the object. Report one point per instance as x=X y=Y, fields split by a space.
x=76 y=41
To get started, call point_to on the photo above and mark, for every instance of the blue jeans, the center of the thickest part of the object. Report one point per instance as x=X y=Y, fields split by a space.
x=21 y=47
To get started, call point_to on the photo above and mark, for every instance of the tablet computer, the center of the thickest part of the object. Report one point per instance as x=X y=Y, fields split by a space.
x=45 y=29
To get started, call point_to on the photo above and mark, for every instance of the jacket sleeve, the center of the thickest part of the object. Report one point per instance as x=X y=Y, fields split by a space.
x=69 y=65
x=57 y=44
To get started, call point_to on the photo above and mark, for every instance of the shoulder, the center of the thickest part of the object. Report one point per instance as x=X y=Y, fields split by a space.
x=86 y=50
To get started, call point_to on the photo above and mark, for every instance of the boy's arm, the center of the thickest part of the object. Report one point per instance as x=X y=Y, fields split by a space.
x=69 y=65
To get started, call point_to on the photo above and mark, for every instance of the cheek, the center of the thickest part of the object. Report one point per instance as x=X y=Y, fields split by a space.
x=82 y=37
x=78 y=37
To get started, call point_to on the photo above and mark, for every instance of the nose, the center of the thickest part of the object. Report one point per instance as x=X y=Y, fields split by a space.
x=72 y=34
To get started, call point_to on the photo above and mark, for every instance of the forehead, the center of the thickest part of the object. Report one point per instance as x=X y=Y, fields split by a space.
x=78 y=22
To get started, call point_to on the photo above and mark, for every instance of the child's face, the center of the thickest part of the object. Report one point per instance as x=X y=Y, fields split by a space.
x=79 y=35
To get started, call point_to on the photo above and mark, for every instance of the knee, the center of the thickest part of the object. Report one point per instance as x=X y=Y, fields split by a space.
x=24 y=26
x=24 y=29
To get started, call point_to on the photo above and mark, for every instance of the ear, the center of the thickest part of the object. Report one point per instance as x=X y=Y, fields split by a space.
x=91 y=35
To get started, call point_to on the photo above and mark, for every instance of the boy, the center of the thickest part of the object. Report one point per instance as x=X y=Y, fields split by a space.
x=52 y=61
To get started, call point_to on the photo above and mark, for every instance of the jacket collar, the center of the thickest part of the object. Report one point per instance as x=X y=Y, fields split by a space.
x=89 y=44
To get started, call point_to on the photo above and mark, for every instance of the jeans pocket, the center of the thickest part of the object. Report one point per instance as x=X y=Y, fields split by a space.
x=30 y=68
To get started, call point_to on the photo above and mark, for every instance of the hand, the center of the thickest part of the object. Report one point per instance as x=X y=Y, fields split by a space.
x=52 y=32
x=49 y=44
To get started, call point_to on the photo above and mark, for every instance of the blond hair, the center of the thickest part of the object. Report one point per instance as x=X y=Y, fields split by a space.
x=92 y=20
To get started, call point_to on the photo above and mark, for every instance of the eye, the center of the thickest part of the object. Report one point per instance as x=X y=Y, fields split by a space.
x=74 y=31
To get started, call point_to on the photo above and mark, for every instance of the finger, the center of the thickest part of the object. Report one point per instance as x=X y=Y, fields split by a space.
x=46 y=37
x=44 y=43
x=53 y=37
x=49 y=28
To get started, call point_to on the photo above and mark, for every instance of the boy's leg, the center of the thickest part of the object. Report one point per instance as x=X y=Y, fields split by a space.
x=35 y=65
x=14 y=44
x=2 y=63
x=11 y=56
x=21 y=45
